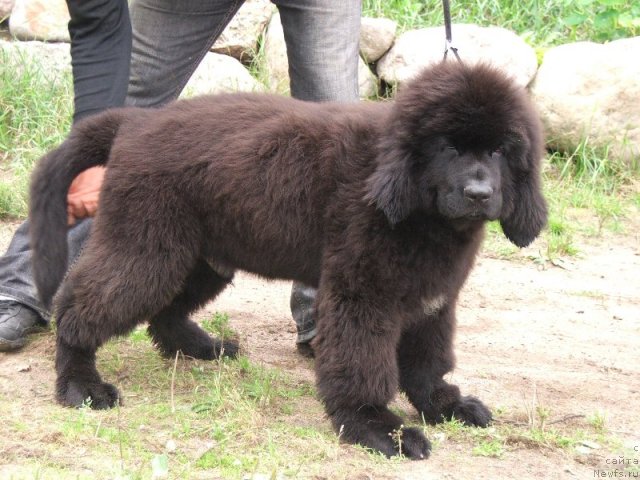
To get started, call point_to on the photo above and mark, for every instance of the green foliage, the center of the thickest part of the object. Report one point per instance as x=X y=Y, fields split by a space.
x=598 y=421
x=491 y=448
x=218 y=325
x=540 y=23
x=35 y=114
x=603 y=20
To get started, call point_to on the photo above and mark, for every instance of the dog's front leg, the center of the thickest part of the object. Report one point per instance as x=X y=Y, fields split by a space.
x=425 y=355
x=357 y=373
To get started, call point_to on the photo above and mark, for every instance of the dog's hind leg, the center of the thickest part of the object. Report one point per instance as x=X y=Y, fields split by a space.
x=425 y=355
x=118 y=282
x=171 y=329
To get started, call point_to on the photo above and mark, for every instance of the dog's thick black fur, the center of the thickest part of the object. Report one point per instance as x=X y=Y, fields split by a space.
x=379 y=205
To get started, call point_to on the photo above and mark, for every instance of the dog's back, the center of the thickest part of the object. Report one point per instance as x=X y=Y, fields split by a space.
x=256 y=171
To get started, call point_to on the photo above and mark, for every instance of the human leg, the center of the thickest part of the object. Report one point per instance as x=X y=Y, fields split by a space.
x=100 y=45
x=322 y=38
x=170 y=38
x=100 y=33
x=21 y=311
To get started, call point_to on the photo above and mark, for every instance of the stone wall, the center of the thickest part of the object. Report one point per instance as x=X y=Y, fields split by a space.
x=584 y=91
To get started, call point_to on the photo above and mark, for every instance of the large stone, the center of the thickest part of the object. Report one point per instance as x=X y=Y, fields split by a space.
x=276 y=64
x=367 y=81
x=416 y=49
x=220 y=74
x=5 y=9
x=589 y=91
x=240 y=38
x=376 y=37
x=40 y=20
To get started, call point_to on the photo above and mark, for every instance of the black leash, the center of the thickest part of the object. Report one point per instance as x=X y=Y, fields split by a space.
x=447 y=27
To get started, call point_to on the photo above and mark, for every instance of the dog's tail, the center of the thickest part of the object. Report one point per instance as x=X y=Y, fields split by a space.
x=88 y=145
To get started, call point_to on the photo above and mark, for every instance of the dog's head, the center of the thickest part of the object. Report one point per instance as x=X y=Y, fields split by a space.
x=465 y=143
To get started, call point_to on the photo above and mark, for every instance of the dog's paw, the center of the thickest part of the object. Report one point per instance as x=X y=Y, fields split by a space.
x=381 y=430
x=412 y=443
x=96 y=395
x=470 y=411
x=226 y=348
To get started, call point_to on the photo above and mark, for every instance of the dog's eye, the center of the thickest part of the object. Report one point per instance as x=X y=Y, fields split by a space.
x=498 y=151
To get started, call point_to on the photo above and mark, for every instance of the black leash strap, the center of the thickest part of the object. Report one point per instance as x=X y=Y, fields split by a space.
x=447 y=27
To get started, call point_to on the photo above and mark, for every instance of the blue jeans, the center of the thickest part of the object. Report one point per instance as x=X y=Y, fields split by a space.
x=170 y=38
x=16 y=277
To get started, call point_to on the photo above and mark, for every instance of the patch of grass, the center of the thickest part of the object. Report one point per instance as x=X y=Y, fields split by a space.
x=218 y=325
x=560 y=239
x=35 y=114
x=598 y=421
x=540 y=23
x=226 y=419
x=540 y=431
x=491 y=448
x=589 y=180
x=139 y=335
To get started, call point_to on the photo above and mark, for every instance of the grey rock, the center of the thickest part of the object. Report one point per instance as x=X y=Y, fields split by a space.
x=240 y=38
x=416 y=49
x=40 y=20
x=220 y=74
x=276 y=64
x=5 y=8
x=376 y=37
x=589 y=91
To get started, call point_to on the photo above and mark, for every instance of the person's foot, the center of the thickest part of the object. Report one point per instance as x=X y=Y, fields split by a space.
x=16 y=322
x=305 y=349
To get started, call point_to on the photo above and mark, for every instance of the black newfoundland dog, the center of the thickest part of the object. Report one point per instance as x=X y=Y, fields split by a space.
x=379 y=205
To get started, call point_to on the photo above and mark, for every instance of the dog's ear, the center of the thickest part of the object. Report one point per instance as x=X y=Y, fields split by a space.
x=390 y=188
x=529 y=213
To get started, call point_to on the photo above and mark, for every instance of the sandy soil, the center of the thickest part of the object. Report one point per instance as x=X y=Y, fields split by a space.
x=565 y=339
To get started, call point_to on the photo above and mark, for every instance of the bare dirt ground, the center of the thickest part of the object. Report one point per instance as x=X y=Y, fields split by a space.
x=564 y=339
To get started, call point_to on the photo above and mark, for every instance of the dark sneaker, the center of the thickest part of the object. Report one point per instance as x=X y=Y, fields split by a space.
x=16 y=322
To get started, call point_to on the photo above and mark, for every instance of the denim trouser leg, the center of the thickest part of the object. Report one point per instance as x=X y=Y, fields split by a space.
x=322 y=49
x=16 y=276
x=170 y=38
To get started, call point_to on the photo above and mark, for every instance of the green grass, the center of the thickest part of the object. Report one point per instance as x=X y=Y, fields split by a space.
x=35 y=114
x=218 y=325
x=541 y=23
x=228 y=418
x=507 y=434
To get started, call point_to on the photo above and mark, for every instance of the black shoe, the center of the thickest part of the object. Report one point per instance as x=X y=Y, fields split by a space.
x=16 y=321
x=305 y=349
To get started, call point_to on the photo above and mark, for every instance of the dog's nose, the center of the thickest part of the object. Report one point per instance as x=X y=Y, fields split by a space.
x=478 y=192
